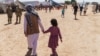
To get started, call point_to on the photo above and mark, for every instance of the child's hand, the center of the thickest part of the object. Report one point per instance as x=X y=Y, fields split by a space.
x=61 y=40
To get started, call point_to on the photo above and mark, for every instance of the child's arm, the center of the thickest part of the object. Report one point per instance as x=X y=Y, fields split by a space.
x=60 y=35
x=46 y=31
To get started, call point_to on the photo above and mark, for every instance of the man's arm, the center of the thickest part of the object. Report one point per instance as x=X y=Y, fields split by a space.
x=25 y=26
x=40 y=24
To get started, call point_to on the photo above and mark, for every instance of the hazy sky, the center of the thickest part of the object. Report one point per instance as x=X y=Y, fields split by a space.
x=63 y=0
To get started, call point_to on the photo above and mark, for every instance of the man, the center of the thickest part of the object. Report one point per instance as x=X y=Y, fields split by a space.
x=75 y=7
x=18 y=13
x=31 y=29
x=9 y=14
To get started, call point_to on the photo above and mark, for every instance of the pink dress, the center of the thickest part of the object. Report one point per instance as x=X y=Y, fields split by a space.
x=54 y=36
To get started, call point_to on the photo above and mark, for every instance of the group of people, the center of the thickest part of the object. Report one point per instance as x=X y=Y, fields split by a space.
x=96 y=8
x=18 y=13
x=32 y=22
x=82 y=7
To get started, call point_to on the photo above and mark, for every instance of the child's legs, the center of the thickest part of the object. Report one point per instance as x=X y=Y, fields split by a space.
x=54 y=51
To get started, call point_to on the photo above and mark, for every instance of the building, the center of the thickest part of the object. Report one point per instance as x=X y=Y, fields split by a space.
x=7 y=1
x=3 y=5
x=33 y=3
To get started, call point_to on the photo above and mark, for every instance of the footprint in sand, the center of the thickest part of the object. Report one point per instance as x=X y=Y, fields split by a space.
x=5 y=29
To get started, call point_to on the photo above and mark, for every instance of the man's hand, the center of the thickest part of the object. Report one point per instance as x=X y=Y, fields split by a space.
x=25 y=34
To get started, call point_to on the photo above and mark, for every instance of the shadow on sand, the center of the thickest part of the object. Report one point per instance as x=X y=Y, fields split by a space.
x=6 y=24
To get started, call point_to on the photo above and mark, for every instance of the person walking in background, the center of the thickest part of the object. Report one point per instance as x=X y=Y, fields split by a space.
x=85 y=9
x=50 y=8
x=31 y=29
x=54 y=36
x=81 y=8
x=18 y=13
x=66 y=6
x=46 y=8
x=63 y=12
x=75 y=7
x=9 y=14
x=94 y=8
x=97 y=7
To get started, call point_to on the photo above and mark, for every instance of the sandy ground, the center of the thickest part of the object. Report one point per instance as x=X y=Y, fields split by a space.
x=80 y=38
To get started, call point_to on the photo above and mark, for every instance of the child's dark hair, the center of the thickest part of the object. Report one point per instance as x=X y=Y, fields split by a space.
x=54 y=22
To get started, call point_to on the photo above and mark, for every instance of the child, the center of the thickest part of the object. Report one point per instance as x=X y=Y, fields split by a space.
x=53 y=40
x=63 y=12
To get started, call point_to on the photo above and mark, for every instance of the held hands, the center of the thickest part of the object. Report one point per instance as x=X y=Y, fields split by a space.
x=43 y=30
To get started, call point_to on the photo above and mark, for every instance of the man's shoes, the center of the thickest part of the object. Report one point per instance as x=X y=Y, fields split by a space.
x=29 y=52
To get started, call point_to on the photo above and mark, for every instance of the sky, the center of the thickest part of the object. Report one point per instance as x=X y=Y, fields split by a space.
x=63 y=0
x=60 y=0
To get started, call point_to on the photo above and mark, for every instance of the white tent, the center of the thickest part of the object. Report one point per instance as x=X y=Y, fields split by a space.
x=45 y=3
x=8 y=1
